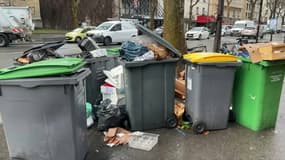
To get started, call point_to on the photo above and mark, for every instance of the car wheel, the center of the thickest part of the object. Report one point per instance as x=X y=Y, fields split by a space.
x=78 y=39
x=3 y=41
x=107 y=41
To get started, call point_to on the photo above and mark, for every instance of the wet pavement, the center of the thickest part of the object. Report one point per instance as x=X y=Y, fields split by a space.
x=234 y=143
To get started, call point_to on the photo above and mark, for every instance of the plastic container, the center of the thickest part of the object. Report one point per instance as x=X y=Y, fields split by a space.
x=257 y=94
x=45 y=118
x=149 y=87
x=209 y=92
x=143 y=141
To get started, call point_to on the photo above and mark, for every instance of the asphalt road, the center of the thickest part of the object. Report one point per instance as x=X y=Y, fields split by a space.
x=234 y=143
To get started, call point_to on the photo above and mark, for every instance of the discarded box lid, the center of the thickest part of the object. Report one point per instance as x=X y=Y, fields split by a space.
x=207 y=57
x=43 y=68
x=159 y=40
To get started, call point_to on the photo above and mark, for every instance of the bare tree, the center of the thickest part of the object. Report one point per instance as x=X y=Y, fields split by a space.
x=52 y=12
x=152 y=8
x=193 y=3
x=228 y=7
x=252 y=4
x=270 y=4
x=74 y=12
x=174 y=24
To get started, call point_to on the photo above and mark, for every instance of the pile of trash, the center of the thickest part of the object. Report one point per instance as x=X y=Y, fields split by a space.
x=142 y=49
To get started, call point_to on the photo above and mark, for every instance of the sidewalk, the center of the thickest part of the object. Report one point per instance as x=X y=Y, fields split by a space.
x=234 y=143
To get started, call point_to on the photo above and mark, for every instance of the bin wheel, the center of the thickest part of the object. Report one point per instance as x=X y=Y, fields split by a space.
x=198 y=127
x=172 y=122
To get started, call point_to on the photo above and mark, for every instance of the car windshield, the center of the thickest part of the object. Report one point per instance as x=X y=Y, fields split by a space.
x=239 y=26
x=196 y=29
x=104 y=26
x=77 y=30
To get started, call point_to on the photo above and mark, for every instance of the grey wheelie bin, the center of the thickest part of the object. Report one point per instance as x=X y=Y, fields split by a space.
x=149 y=90
x=44 y=117
x=209 y=86
x=97 y=77
x=149 y=87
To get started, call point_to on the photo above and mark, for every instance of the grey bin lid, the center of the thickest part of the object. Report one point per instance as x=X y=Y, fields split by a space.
x=159 y=40
x=72 y=79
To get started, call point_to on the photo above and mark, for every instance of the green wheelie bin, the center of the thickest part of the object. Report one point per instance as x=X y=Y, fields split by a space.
x=257 y=93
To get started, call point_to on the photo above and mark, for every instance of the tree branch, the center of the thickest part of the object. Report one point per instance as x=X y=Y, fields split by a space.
x=195 y=3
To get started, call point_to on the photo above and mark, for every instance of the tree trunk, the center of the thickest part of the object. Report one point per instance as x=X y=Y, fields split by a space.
x=174 y=27
x=228 y=9
x=190 y=15
x=74 y=13
x=173 y=24
x=153 y=7
x=252 y=5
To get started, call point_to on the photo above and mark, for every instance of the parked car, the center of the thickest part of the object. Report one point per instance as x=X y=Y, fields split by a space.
x=198 y=33
x=78 y=34
x=240 y=25
x=249 y=32
x=226 y=30
x=159 y=31
x=113 y=32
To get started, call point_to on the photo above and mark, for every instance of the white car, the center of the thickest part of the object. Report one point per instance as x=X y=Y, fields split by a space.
x=113 y=32
x=197 y=33
x=226 y=30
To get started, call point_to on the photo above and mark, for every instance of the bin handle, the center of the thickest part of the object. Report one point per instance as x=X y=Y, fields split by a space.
x=29 y=85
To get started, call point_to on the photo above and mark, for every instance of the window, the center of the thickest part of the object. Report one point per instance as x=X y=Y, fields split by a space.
x=203 y=11
x=197 y=10
x=204 y=1
x=117 y=27
x=234 y=13
x=128 y=25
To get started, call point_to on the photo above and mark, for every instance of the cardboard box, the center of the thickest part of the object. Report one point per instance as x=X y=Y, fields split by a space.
x=254 y=52
x=265 y=51
x=275 y=51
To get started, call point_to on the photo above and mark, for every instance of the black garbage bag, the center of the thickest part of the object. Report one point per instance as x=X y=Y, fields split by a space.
x=110 y=116
x=39 y=53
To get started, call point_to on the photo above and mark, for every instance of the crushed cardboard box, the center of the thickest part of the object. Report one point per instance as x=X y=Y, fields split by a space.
x=180 y=85
x=180 y=88
x=159 y=51
x=266 y=51
x=116 y=136
x=179 y=110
